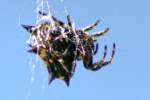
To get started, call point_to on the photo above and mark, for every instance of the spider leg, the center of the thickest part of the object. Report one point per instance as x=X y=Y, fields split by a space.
x=113 y=52
x=69 y=21
x=99 y=33
x=88 y=60
x=72 y=31
x=90 y=27
x=102 y=62
x=105 y=52
x=96 y=49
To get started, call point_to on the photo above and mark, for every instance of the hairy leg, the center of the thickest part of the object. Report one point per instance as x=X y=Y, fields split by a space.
x=90 y=27
x=102 y=62
x=88 y=60
x=94 y=35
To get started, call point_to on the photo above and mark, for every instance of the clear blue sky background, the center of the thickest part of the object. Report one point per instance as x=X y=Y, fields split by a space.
x=127 y=78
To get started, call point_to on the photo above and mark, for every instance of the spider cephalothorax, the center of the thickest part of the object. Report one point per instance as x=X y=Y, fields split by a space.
x=59 y=45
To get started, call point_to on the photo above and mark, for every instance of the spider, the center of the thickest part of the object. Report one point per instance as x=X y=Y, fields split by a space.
x=86 y=48
x=58 y=54
x=61 y=45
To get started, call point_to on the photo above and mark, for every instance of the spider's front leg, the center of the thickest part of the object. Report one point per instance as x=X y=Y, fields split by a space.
x=69 y=21
x=90 y=27
x=94 y=35
x=95 y=48
x=88 y=60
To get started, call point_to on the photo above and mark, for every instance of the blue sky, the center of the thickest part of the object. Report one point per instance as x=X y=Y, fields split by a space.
x=127 y=78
